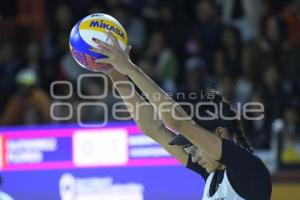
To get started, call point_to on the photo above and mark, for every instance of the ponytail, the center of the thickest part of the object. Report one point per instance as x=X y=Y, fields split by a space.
x=242 y=139
x=235 y=126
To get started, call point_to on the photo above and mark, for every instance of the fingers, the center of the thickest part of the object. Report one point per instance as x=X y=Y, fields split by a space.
x=201 y=162
x=113 y=39
x=101 y=50
x=104 y=60
x=127 y=49
x=102 y=44
x=194 y=159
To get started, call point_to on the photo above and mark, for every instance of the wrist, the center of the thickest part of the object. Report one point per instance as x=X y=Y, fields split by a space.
x=133 y=71
x=114 y=75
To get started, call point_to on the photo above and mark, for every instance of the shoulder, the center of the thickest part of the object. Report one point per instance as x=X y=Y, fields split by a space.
x=246 y=172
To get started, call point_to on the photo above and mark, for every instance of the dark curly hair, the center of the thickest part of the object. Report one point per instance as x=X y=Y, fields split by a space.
x=235 y=126
x=231 y=122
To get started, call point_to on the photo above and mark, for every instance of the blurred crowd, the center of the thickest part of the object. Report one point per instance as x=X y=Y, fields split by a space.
x=247 y=49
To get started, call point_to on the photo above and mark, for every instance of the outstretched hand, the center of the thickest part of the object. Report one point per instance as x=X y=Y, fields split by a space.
x=116 y=57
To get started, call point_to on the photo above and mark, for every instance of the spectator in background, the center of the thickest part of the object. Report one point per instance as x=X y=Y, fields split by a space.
x=207 y=27
x=96 y=113
x=165 y=64
x=167 y=67
x=33 y=57
x=62 y=27
x=272 y=90
x=291 y=18
x=9 y=65
x=228 y=56
x=55 y=44
x=291 y=136
x=193 y=46
x=272 y=37
x=29 y=105
x=196 y=80
x=69 y=68
x=135 y=27
x=258 y=129
x=288 y=130
x=169 y=21
x=245 y=15
x=55 y=41
x=226 y=87
x=244 y=83
x=147 y=66
x=274 y=47
x=271 y=46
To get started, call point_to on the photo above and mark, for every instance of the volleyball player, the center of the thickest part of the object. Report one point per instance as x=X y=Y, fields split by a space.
x=217 y=149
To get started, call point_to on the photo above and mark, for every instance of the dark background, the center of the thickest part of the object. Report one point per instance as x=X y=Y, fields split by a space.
x=248 y=50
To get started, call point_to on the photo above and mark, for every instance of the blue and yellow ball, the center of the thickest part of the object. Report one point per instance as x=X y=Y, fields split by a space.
x=94 y=26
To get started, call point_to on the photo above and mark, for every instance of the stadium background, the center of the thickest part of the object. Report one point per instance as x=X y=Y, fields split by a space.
x=249 y=50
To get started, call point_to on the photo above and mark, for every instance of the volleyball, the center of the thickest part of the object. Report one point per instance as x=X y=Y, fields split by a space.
x=94 y=26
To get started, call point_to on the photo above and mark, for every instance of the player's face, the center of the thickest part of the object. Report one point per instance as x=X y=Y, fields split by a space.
x=203 y=159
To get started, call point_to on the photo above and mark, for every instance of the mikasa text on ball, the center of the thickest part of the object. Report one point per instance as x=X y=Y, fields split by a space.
x=94 y=26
